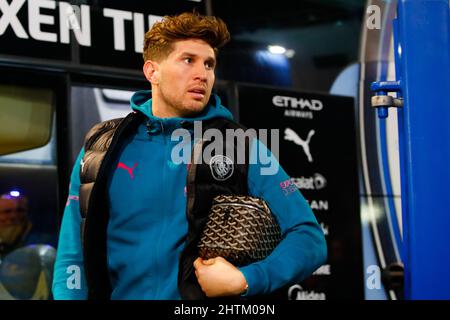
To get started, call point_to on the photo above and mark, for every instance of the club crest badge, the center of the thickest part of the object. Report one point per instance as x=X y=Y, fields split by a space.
x=221 y=167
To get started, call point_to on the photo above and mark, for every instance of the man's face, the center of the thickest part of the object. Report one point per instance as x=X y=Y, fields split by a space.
x=12 y=211
x=186 y=77
x=13 y=220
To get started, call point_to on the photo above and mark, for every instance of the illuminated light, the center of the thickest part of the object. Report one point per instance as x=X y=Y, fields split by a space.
x=14 y=193
x=290 y=53
x=276 y=49
x=371 y=213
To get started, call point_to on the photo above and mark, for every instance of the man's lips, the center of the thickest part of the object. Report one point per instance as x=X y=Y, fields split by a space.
x=198 y=92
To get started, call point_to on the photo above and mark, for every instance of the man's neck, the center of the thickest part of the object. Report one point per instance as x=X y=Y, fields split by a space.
x=160 y=111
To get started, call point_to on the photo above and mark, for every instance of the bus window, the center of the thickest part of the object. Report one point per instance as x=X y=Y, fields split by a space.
x=90 y=106
x=28 y=192
x=26 y=115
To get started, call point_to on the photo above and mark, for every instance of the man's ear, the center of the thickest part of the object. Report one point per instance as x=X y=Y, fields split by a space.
x=150 y=69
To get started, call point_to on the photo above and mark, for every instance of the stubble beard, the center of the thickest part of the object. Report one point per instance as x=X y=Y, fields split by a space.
x=183 y=107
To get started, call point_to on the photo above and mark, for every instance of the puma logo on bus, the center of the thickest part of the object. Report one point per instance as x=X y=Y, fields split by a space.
x=121 y=165
x=291 y=135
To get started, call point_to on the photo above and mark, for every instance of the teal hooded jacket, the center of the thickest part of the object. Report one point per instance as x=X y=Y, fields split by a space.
x=148 y=225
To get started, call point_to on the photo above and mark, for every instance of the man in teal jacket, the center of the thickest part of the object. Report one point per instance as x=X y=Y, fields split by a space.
x=146 y=190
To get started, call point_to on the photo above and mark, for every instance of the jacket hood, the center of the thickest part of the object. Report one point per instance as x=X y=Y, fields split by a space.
x=142 y=101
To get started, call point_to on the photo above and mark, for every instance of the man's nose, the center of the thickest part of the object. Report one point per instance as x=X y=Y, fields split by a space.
x=201 y=73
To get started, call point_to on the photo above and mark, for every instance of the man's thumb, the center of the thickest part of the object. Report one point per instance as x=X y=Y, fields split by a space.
x=209 y=261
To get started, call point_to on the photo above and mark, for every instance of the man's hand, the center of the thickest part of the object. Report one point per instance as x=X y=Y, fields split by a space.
x=217 y=277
